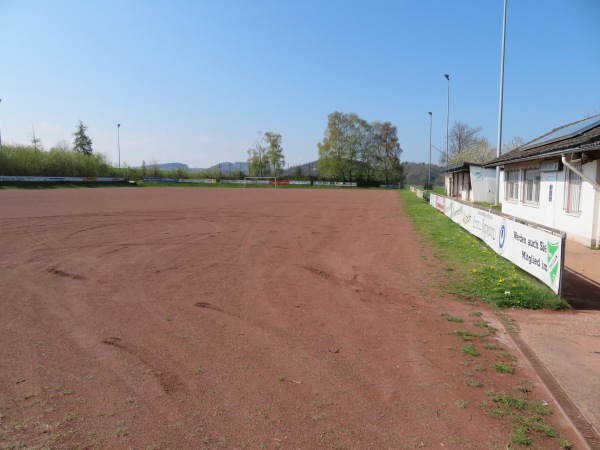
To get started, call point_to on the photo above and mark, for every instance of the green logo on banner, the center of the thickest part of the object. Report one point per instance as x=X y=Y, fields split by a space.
x=553 y=260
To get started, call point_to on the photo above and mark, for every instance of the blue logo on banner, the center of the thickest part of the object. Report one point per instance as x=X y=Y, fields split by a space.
x=502 y=237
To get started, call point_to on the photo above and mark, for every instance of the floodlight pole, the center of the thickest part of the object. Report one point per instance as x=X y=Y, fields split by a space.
x=430 y=125
x=499 y=149
x=119 y=145
x=0 y=131
x=447 y=121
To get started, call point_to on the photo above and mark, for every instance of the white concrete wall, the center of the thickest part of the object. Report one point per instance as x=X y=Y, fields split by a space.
x=483 y=184
x=580 y=227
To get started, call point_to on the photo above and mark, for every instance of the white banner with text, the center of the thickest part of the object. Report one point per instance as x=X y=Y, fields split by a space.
x=534 y=250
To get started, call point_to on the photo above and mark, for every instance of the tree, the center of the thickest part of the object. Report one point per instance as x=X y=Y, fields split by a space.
x=63 y=145
x=466 y=145
x=36 y=142
x=387 y=152
x=82 y=142
x=257 y=159
x=344 y=138
x=512 y=145
x=274 y=152
x=353 y=149
x=479 y=152
x=462 y=136
x=155 y=168
x=266 y=158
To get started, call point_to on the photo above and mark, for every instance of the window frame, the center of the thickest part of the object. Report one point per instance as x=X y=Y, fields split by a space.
x=512 y=186
x=531 y=192
x=573 y=189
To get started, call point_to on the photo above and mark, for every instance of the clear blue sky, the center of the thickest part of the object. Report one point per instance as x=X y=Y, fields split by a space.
x=193 y=81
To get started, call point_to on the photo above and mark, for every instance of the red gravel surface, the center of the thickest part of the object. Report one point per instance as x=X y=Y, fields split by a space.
x=238 y=318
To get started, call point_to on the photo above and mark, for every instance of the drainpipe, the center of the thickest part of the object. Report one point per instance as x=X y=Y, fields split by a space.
x=596 y=187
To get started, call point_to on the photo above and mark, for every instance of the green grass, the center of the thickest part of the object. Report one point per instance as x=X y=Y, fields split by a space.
x=469 y=350
x=465 y=335
x=504 y=368
x=472 y=383
x=526 y=416
x=492 y=347
x=477 y=271
x=450 y=318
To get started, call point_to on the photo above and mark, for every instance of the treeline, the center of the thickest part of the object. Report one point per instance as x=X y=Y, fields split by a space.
x=356 y=150
x=18 y=160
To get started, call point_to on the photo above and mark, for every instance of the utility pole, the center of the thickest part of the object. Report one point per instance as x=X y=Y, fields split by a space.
x=499 y=149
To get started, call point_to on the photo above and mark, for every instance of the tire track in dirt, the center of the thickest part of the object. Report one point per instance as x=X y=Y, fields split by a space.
x=169 y=382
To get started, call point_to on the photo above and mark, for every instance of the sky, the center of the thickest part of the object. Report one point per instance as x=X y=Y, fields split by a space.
x=197 y=81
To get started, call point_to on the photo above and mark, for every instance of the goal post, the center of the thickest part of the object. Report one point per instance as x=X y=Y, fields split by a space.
x=260 y=180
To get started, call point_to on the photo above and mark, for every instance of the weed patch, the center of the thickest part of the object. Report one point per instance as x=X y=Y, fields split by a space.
x=469 y=350
x=504 y=368
x=465 y=335
x=450 y=318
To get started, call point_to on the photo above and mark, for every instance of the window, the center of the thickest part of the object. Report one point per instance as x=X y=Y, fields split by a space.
x=512 y=185
x=573 y=191
x=532 y=186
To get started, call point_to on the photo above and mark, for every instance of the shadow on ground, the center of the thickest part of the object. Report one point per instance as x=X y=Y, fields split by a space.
x=581 y=292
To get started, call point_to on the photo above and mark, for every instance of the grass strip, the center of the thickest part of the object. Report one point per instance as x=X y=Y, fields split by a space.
x=477 y=272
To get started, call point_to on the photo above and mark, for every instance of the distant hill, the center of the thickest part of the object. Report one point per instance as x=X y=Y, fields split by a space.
x=173 y=166
x=416 y=174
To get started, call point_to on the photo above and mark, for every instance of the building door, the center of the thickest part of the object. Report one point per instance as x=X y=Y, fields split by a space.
x=550 y=200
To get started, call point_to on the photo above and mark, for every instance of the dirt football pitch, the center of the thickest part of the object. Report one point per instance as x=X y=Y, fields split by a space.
x=186 y=318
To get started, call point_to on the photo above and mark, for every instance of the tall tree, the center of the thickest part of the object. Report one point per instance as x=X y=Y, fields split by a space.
x=257 y=159
x=478 y=152
x=339 y=152
x=466 y=145
x=274 y=152
x=462 y=136
x=36 y=142
x=82 y=142
x=387 y=152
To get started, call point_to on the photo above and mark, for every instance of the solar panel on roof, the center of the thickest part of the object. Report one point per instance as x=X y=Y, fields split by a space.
x=568 y=130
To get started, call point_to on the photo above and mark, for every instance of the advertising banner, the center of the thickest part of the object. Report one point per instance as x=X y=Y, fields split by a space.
x=197 y=180
x=161 y=180
x=63 y=179
x=536 y=251
x=334 y=183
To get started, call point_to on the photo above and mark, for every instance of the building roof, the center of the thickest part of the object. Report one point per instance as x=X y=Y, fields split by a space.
x=574 y=137
x=459 y=167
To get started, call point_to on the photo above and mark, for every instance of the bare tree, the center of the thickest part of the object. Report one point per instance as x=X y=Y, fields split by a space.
x=63 y=145
x=478 y=152
x=512 y=145
x=35 y=141
x=462 y=136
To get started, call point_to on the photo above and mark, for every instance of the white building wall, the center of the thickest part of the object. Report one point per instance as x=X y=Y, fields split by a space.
x=581 y=227
x=483 y=184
